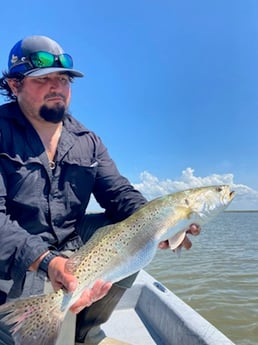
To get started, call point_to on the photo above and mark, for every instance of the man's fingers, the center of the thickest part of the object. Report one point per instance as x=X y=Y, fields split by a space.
x=99 y=290
x=164 y=244
x=187 y=244
x=194 y=229
x=59 y=277
x=89 y=296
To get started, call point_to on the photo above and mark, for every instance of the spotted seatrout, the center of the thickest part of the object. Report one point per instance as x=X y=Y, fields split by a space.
x=114 y=252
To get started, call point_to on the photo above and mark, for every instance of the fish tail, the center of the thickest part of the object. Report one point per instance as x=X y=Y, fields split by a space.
x=35 y=320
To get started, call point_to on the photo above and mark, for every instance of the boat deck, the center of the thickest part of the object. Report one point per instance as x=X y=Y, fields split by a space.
x=150 y=314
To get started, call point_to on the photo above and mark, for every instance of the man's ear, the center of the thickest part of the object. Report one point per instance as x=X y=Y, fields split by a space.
x=14 y=85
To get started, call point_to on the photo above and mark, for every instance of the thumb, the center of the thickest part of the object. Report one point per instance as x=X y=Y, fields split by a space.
x=60 y=277
x=69 y=282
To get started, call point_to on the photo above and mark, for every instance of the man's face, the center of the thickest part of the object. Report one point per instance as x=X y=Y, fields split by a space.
x=44 y=98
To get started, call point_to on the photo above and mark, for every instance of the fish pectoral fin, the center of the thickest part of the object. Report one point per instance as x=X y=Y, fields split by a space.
x=175 y=241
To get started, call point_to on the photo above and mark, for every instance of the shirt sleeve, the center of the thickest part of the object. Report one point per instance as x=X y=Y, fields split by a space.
x=19 y=249
x=112 y=190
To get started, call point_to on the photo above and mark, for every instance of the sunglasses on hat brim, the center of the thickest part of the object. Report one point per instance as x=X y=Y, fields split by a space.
x=41 y=60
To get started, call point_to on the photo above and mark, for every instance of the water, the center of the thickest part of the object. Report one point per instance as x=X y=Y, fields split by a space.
x=218 y=277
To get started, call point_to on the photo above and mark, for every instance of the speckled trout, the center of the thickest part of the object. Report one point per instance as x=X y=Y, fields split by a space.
x=113 y=253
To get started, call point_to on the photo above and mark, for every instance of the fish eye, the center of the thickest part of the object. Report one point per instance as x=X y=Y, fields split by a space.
x=187 y=202
x=219 y=189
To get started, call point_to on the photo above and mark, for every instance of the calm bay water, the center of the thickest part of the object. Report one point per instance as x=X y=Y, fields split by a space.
x=218 y=277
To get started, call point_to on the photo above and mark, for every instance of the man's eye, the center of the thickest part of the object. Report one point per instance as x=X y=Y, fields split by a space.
x=64 y=79
x=42 y=79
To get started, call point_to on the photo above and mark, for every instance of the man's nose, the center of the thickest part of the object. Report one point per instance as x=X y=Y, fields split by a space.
x=55 y=83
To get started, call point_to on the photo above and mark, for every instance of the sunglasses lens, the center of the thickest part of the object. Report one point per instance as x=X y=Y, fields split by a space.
x=42 y=59
x=66 y=60
x=45 y=59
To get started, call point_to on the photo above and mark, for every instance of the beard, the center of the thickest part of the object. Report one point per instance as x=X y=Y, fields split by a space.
x=54 y=115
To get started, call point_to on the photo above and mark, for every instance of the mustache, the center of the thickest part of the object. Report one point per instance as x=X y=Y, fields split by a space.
x=55 y=94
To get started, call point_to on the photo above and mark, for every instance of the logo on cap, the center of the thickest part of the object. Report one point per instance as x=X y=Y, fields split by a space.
x=14 y=59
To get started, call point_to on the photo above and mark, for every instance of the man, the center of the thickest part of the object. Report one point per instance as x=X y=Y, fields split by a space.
x=49 y=166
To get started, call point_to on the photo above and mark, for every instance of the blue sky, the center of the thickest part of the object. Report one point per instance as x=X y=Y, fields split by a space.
x=170 y=86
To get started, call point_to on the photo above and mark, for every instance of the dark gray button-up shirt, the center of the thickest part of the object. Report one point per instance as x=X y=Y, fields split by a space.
x=40 y=207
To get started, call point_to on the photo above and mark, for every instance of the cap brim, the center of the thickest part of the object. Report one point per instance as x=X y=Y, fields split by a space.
x=37 y=72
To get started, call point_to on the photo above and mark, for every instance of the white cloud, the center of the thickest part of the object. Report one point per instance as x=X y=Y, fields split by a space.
x=151 y=187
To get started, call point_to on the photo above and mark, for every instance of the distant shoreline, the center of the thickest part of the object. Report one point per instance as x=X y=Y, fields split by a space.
x=241 y=211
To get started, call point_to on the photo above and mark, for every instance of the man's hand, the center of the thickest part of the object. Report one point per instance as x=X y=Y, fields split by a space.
x=60 y=277
x=89 y=296
x=194 y=230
